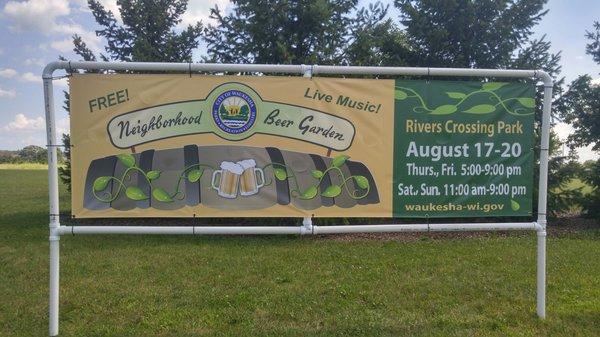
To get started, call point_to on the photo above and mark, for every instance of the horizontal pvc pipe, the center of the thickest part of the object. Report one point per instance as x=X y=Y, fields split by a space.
x=216 y=230
x=289 y=68
x=239 y=230
x=424 y=228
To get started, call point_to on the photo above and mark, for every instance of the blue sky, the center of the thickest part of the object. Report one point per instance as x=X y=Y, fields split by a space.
x=34 y=32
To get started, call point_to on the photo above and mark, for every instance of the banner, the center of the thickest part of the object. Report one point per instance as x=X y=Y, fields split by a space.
x=236 y=146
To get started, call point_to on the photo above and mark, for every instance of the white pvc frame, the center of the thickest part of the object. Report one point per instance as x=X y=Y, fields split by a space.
x=56 y=230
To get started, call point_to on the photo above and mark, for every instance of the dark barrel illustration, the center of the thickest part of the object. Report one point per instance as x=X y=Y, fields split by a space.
x=226 y=177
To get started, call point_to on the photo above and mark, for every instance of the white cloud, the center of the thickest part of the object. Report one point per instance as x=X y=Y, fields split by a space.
x=8 y=73
x=62 y=126
x=563 y=130
x=44 y=16
x=61 y=82
x=199 y=10
x=596 y=81
x=37 y=15
x=63 y=46
x=35 y=62
x=30 y=77
x=22 y=123
x=10 y=93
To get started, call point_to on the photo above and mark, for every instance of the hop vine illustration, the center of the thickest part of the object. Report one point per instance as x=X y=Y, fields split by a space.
x=527 y=103
x=192 y=173
x=282 y=172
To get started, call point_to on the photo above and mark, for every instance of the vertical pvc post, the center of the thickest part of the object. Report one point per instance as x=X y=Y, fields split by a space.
x=307 y=227
x=542 y=195
x=53 y=199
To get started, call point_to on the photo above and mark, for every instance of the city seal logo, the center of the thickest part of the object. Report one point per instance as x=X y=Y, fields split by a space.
x=234 y=112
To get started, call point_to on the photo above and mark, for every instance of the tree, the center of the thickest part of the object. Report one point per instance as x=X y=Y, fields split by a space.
x=467 y=33
x=581 y=103
x=581 y=108
x=376 y=41
x=282 y=31
x=593 y=47
x=148 y=33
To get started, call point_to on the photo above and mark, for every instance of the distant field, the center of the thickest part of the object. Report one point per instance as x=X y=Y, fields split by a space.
x=25 y=166
x=413 y=285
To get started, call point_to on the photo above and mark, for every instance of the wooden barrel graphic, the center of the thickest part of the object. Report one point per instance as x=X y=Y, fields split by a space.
x=226 y=177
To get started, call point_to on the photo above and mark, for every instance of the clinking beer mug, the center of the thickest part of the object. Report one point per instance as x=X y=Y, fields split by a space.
x=249 y=184
x=244 y=174
x=229 y=173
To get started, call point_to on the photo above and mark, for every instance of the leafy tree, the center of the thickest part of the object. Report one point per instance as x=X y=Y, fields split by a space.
x=282 y=31
x=581 y=103
x=593 y=47
x=581 y=108
x=591 y=175
x=467 y=33
x=64 y=171
x=376 y=41
x=147 y=34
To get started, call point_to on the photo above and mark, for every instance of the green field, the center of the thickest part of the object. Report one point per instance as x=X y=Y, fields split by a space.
x=405 y=285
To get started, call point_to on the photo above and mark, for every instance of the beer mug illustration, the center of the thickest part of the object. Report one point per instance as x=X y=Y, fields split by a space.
x=249 y=182
x=229 y=179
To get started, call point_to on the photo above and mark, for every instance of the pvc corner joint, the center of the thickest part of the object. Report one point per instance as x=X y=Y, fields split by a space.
x=545 y=77
x=52 y=66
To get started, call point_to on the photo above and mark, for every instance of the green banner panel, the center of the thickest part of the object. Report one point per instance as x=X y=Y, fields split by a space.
x=463 y=149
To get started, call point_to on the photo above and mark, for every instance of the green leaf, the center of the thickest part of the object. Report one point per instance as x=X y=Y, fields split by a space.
x=153 y=175
x=514 y=205
x=361 y=181
x=457 y=95
x=100 y=183
x=161 y=195
x=135 y=193
x=127 y=159
x=280 y=173
x=194 y=175
x=310 y=193
x=339 y=160
x=491 y=86
x=527 y=102
x=481 y=109
x=400 y=95
x=444 y=109
x=316 y=174
x=332 y=191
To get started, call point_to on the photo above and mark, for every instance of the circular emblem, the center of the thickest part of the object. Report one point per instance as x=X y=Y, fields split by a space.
x=234 y=111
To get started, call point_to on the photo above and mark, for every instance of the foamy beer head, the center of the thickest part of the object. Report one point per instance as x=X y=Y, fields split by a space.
x=248 y=183
x=230 y=174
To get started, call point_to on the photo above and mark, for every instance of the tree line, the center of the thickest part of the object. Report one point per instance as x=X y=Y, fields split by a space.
x=445 y=33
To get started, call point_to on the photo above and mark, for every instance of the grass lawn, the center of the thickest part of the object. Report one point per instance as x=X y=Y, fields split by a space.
x=409 y=285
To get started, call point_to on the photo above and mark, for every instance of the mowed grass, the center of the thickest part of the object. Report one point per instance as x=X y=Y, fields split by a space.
x=287 y=285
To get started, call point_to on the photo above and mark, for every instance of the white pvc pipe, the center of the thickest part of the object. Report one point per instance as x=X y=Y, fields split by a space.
x=424 y=228
x=198 y=230
x=543 y=195
x=54 y=223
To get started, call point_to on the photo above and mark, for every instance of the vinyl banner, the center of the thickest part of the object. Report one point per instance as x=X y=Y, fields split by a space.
x=235 y=146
